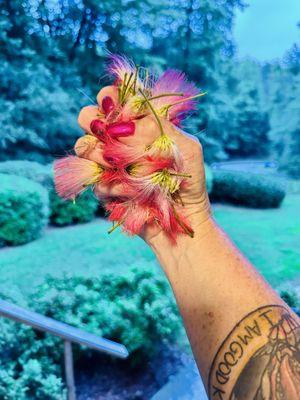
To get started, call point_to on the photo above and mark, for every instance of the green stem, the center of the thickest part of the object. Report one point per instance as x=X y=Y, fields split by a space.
x=154 y=113
x=183 y=226
x=165 y=95
x=181 y=174
x=135 y=78
x=127 y=86
x=115 y=226
x=188 y=98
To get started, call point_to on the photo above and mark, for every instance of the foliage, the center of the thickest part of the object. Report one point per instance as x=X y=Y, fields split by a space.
x=46 y=58
x=249 y=189
x=28 y=169
x=29 y=368
x=136 y=309
x=61 y=212
x=23 y=209
x=290 y=297
x=208 y=178
x=67 y=212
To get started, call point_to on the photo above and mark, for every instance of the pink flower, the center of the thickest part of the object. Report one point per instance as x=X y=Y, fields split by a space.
x=73 y=175
x=172 y=81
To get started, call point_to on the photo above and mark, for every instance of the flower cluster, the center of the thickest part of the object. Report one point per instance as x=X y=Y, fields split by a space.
x=151 y=178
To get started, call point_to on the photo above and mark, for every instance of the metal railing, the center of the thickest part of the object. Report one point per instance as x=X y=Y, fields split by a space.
x=68 y=333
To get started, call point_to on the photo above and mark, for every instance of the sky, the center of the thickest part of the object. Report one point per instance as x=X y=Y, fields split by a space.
x=267 y=28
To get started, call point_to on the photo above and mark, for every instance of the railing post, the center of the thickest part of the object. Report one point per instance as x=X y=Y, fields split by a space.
x=69 y=370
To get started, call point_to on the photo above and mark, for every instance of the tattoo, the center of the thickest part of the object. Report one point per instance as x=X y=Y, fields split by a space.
x=259 y=359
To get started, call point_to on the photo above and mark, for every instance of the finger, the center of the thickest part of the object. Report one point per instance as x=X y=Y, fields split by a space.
x=146 y=131
x=108 y=91
x=84 y=145
x=86 y=116
x=115 y=190
x=91 y=148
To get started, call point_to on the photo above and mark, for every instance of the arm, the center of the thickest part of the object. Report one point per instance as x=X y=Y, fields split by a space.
x=246 y=341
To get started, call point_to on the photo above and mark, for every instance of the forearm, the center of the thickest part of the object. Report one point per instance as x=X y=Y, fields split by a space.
x=216 y=288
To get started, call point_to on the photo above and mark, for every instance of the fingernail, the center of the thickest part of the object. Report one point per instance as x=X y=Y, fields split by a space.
x=107 y=104
x=97 y=127
x=121 y=129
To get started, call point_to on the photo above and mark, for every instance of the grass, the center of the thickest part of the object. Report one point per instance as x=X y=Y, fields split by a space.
x=269 y=238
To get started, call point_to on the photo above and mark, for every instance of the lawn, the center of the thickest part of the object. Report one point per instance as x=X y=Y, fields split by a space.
x=270 y=239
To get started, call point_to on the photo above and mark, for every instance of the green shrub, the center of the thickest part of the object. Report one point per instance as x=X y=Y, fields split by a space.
x=290 y=297
x=23 y=209
x=136 y=309
x=30 y=364
x=28 y=169
x=208 y=178
x=248 y=189
x=61 y=212
x=66 y=212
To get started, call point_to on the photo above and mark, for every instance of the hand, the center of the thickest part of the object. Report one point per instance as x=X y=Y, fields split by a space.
x=194 y=196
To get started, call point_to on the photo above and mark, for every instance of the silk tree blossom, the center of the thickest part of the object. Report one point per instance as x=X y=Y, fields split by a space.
x=181 y=98
x=150 y=178
x=73 y=175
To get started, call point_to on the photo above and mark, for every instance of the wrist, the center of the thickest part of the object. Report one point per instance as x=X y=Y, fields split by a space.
x=169 y=253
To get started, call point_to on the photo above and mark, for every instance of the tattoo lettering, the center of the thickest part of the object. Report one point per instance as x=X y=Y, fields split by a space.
x=260 y=358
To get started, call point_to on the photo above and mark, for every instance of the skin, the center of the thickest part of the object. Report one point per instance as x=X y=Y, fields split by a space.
x=241 y=333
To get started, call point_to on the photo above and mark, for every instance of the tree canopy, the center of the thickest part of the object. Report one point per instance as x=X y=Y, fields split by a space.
x=53 y=51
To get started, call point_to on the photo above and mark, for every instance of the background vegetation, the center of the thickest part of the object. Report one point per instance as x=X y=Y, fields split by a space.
x=53 y=50
x=53 y=55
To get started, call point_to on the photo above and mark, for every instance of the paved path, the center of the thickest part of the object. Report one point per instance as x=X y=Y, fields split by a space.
x=185 y=385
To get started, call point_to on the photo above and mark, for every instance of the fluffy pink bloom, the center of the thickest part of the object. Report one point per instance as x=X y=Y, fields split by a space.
x=148 y=178
x=120 y=155
x=172 y=81
x=73 y=175
x=133 y=217
x=119 y=67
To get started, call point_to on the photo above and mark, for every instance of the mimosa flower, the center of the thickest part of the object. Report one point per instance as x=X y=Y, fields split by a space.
x=73 y=175
x=120 y=155
x=172 y=81
x=148 y=179
x=165 y=147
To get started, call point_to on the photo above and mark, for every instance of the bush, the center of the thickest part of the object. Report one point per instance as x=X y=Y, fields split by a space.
x=208 y=178
x=248 y=189
x=136 y=310
x=66 y=212
x=23 y=209
x=29 y=169
x=62 y=212
x=291 y=297
x=29 y=368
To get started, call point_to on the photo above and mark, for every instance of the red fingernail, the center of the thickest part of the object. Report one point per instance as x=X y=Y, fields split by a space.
x=107 y=104
x=119 y=129
x=97 y=127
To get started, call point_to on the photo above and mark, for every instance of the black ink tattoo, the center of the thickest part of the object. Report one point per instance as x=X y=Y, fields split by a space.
x=259 y=359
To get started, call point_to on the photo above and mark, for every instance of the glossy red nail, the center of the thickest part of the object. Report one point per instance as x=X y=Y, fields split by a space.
x=97 y=127
x=121 y=129
x=107 y=104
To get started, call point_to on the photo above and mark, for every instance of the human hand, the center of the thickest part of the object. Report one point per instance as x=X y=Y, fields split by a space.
x=193 y=195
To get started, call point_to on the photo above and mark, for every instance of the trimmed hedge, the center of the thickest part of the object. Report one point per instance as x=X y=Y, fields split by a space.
x=66 y=212
x=61 y=212
x=137 y=309
x=248 y=189
x=29 y=169
x=208 y=178
x=24 y=209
